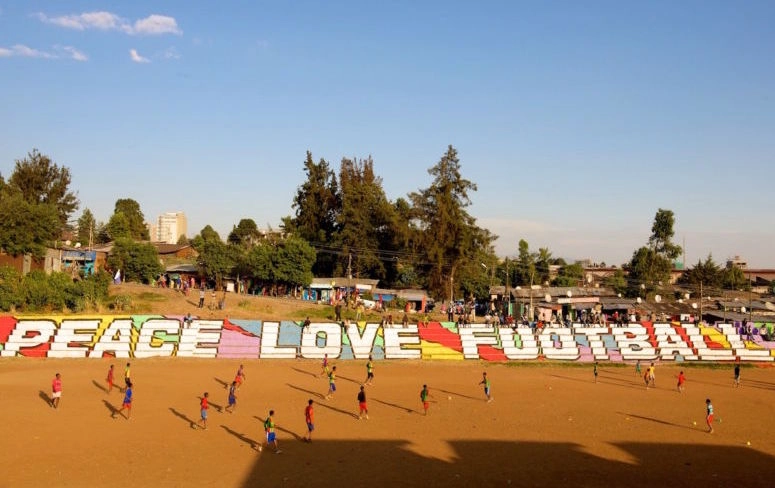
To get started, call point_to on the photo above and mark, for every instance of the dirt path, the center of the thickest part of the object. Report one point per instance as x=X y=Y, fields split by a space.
x=547 y=426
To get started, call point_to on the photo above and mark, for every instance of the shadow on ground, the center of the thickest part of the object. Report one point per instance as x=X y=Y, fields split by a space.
x=494 y=463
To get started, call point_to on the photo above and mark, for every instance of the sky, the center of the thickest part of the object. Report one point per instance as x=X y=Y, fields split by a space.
x=576 y=120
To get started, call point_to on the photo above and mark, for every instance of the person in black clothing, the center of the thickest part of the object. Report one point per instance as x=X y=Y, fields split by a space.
x=363 y=409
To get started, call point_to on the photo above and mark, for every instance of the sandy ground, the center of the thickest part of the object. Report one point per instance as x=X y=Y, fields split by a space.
x=547 y=426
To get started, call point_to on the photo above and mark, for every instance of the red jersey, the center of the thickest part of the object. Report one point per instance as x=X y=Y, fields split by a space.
x=309 y=414
x=56 y=385
x=110 y=375
x=681 y=379
x=203 y=404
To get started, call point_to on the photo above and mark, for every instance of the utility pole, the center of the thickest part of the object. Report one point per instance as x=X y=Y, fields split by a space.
x=349 y=269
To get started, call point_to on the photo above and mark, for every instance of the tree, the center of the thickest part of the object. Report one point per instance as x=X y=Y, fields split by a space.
x=118 y=227
x=617 y=282
x=317 y=207
x=662 y=234
x=651 y=265
x=217 y=260
x=135 y=218
x=707 y=274
x=138 y=261
x=206 y=234
x=543 y=260
x=26 y=227
x=87 y=226
x=42 y=181
x=570 y=275
x=244 y=234
x=364 y=224
x=733 y=278
x=449 y=234
x=293 y=262
x=525 y=270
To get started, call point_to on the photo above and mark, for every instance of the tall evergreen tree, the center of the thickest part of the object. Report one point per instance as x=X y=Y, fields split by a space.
x=450 y=234
x=364 y=223
x=87 y=228
x=316 y=207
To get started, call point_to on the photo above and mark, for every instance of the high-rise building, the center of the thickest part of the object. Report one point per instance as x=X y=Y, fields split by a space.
x=170 y=226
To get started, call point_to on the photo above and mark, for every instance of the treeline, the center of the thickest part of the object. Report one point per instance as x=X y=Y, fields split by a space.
x=56 y=292
x=342 y=224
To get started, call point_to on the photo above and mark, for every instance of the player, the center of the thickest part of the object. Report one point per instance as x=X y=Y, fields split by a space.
x=652 y=375
x=362 y=407
x=737 y=375
x=127 y=374
x=240 y=376
x=109 y=379
x=709 y=415
x=324 y=371
x=637 y=368
x=331 y=383
x=127 y=404
x=646 y=379
x=56 y=390
x=424 y=394
x=232 y=397
x=594 y=371
x=681 y=381
x=369 y=371
x=204 y=405
x=486 y=382
x=309 y=418
x=271 y=436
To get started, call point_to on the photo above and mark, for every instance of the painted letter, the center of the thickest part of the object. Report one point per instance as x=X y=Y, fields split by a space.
x=146 y=348
x=332 y=334
x=270 y=337
x=362 y=345
x=474 y=335
x=28 y=334
x=528 y=348
x=72 y=331
x=395 y=338
x=115 y=339
x=201 y=339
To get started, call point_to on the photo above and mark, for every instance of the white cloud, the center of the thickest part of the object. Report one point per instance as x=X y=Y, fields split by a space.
x=137 y=58
x=107 y=21
x=156 y=25
x=60 y=52
x=28 y=52
x=86 y=20
x=73 y=53
x=23 y=51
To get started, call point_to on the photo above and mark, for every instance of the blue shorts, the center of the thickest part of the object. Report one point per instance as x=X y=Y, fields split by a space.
x=270 y=436
x=310 y=426
x=204 y=414
x=232 y=400
x=332 y=387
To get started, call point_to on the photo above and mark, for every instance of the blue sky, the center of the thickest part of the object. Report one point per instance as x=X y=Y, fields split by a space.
x=577 y=120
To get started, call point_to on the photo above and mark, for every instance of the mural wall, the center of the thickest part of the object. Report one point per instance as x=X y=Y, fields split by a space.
x=142 y=336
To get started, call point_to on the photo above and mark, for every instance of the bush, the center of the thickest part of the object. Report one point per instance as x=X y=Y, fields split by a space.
x=39 y=292
x=35 y=289
x=10 y=289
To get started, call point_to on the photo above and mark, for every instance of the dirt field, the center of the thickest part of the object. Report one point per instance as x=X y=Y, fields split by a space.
x=547 y=426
